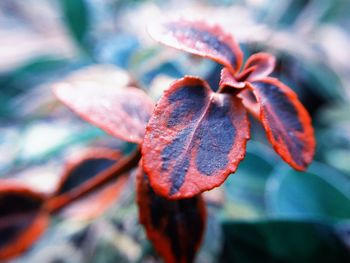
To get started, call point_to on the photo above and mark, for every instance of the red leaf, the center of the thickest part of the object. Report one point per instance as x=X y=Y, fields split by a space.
x=194 y=139
x=227 y=79
x=81 y=172
x=120 y=111
x=286 y=121
x=200 y=39
x=250 y=103
x=258 y=66
x=22 y=220
x=175 y=227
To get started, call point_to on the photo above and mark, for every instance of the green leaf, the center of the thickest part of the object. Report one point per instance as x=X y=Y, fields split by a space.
x=282 y=241
x=322 y=79
x=77 y=20
x=24 y=78
x=319 y=193
x=246 y=188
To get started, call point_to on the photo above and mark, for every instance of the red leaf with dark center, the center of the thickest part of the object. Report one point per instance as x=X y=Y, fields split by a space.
x=200 y=39
x=22 y=220
x=286 y=121
x=81 y=172
x=258 y=66
x=194 y=139
x=175 y=227
x=121 y=111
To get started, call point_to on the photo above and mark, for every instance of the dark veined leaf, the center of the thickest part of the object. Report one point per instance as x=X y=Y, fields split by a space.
x=286 y=121
x=200 y=39
x=175 y=227
x=278 y=241
x=98 y=97
x=258 y=66
x=194 y=139
x=82 y=172
x=22 y=219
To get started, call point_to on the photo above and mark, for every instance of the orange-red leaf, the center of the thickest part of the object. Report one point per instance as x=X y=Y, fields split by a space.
x=200 y=39
x=258 y=66
x=22 y=220
x=194 y=139
x=227 y=79
x=81 y=172
x=175 y=227
x=121 y=111
x=286 y=121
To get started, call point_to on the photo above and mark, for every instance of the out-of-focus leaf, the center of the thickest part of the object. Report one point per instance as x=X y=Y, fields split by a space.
x=247 y=186
x=212 y=241
x=335 y=114
x=24 y=78
x=321 y=192
x=322 y=79
x=200 y=39
x=336 y=10
x=292 y=11
x=282 y=241
x=339 y=158
x=175 y=227
x=22 y=219
x=77 y=19
x=117 y=49
x=102 y=95
x=81 y=171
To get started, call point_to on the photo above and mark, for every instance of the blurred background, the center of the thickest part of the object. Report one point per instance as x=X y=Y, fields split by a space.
x=266 y=212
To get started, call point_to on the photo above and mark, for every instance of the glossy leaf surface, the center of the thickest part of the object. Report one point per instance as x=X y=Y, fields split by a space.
x=119 y=110
x=21 y=219
x=82 y=172
x=286 y=121
x=321 y=192
x=258 y=66
x=200 y=39
x=247 y=188
x=175 y=227
x=194 y=140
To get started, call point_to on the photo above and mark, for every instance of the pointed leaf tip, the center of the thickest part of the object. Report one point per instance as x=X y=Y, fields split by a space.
x=286 y=122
